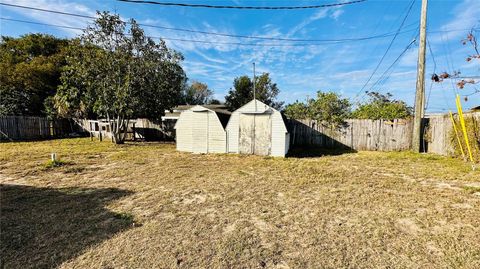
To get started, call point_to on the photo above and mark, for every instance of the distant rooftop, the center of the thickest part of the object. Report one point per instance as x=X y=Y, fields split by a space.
x=185 y=107
x=475 y=108
x=219 y=109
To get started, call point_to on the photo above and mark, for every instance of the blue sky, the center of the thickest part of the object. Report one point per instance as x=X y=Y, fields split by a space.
x=302 y=70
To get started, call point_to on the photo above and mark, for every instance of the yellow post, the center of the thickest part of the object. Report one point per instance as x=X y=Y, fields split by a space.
x=456 y=135
x=464 y=128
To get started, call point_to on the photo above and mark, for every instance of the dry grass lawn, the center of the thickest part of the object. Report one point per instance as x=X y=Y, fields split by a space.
x=144 y=205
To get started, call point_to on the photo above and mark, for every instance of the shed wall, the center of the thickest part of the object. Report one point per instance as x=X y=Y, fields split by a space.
x=184 y=132
x=279 y=137
x=217 y=140
x=200 y=132
x=233 y=128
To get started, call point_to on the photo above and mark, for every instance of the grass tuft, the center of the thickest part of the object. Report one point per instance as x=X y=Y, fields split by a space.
x=471 y=189
x=52 y=164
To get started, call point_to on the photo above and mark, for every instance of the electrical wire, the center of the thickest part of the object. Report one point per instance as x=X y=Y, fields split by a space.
x=389 y=71
x=215 y=33
x=174 y=39
x=449 y=64
x=388 y=48
x=384 y=77
x=434 y=70
x=242 y=7
x=188 y=40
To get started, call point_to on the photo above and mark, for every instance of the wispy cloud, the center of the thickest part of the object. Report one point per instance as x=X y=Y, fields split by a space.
x=44 y=17
x=466 y=15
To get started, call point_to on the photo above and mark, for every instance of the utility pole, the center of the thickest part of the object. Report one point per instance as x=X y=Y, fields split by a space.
x=420 y=92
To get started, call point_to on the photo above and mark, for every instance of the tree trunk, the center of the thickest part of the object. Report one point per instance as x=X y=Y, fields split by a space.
x=118 y=130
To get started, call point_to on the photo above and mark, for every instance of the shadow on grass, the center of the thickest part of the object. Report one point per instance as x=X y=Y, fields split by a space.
x=312 y=152
x=43 y=227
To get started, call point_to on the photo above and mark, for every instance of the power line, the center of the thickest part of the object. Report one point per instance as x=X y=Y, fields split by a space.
x=171 y=38
x=241 y=7
x=213 y=33
x=388 y=48
x=384 y=76
x=389 y=71
x=227 y=34
x=434 y=70
x=182 y=39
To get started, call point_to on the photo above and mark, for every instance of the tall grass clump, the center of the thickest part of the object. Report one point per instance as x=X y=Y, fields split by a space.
x=473 y=131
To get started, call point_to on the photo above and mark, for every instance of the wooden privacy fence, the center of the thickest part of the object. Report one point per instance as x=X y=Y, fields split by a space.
x=439 y=136
x=33 y=128
x=355 y=134
x=382 y=135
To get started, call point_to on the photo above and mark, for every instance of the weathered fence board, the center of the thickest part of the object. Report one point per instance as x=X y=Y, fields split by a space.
x=32 y=128
x=377 y=135
x=439 y=136
x=354 y=134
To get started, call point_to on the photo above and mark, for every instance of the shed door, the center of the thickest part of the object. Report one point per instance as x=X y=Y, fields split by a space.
x=200 y=132
x=255 y=134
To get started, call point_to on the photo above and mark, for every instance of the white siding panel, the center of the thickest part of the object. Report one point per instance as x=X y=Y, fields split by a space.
x=184 y=132
x=217 y=140
x=279 y=132
x=232 y=133
x=200 y=132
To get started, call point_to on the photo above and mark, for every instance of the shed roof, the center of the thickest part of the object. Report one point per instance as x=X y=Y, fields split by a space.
x=261 y=108
x=187 y=107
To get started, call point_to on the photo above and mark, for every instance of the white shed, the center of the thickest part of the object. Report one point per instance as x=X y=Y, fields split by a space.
x=257 y=128
x=202 y=130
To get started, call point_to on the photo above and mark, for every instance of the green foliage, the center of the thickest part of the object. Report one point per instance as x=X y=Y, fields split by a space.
x=52 y=164
x=471 y=189
x=242 y=92
x=197 y=93
x=328 y=107
x=383 y=107
x=30 y=70
x=127 y=217
x=297 y=110
x=119 y=73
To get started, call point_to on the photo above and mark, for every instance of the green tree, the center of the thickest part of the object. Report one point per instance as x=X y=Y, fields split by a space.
x=119 y=74
x=242 y=92
x=382 y=106
x=329 y=107
x=297 y=110
x=197 y=93
x=30 y=70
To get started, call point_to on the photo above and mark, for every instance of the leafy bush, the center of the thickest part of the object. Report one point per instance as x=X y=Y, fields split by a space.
x=383 y=107
x=328 y=107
